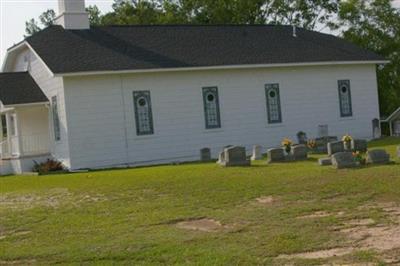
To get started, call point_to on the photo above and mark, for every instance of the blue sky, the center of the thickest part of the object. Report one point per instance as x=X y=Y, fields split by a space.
x=14 y=13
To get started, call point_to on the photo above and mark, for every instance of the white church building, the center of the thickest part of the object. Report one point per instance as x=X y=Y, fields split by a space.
x=100 y=97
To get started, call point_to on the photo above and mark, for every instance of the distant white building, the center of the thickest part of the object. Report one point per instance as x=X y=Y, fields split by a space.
x=138 y=95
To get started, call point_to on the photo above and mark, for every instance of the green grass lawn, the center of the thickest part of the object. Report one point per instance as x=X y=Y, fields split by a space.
x=129 y=216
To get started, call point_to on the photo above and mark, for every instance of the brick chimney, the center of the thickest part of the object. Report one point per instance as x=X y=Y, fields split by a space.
x=72 y=15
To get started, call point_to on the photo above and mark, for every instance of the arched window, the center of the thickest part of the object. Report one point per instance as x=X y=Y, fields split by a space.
x=211 y=107
x=143 y=113
x=345 y=98
x=273 y=103
x=56 y=118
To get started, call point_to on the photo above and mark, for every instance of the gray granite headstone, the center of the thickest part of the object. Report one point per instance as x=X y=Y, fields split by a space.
x=299 y=152
x=343 y=160
x=360 y=145
x=376 y=129
x=257 y=153
x=205 y=155
x=276 y=155
x=235 y=156
x=335 y=147
x=378 y=157
x=325 y=161
x=321 y=143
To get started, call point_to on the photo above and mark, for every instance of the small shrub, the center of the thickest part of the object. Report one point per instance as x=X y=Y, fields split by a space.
x=48 y=166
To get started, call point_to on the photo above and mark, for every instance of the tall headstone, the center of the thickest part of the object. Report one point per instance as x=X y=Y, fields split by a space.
x=376 y=128
x=302 y=137
x=299 y=152
x=257 y=153
x=398 y=151
x=276 y=155
x=235 y=156
x=323 y=131
x=205 y=155
x=335 y=147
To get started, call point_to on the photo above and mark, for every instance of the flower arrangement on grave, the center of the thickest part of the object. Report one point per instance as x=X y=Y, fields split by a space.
x=347 y=141
x=359 y=158
x=287 y=144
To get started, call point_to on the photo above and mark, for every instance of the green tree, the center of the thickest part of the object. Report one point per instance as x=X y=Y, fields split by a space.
x=94 y=15
x=31 y=27
x=133 y=12
x=46 y=19
x=375 y=25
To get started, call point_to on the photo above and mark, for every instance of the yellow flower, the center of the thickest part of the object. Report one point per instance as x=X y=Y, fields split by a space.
x=286 y=142
x=347 y=138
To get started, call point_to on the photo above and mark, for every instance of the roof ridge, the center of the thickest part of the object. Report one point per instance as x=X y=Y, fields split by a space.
x=192 y=25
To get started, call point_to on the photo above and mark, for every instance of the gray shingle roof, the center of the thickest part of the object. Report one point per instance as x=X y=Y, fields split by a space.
x=152 y=47
x=19 y=88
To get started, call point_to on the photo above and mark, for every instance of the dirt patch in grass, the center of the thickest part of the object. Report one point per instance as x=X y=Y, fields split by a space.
x=360 y=222
x=52 y=198
x=266 y=200
x=204 y=225
x=320 y=254
x=5 y=234
x=364 y=234
x=379 y=237
x=17 y=262
x=318 y=214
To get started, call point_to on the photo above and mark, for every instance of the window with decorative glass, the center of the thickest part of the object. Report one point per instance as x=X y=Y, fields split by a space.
x=211 y=107
x=273 y=103
x=345 y=98
x=56 y=118
x=143 y=113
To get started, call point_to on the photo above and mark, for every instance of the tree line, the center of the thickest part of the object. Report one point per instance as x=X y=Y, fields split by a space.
x=371 y=24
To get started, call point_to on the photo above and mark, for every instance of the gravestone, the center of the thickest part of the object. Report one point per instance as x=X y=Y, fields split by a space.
x=378 y=157
x=299 y=152
x=276 y=155
x=235 y=156
x=221 y=155
x=398 y=151
x=323 y=131
x=302 y=137
x=205 y=155
x=321 y=143
x=335 y=147
x=325 y=161
x=343 y=160
x=360 y=145
x=257 y=153
x=376 y=129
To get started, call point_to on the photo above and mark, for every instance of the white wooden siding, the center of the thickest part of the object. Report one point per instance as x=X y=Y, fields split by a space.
x=101 y=115
x=50 y=86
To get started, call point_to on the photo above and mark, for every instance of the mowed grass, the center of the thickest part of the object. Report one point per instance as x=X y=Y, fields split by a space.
x=129 y=216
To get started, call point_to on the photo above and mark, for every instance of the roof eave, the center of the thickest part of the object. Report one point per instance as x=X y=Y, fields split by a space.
x=25 y=104
x=224 y=67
